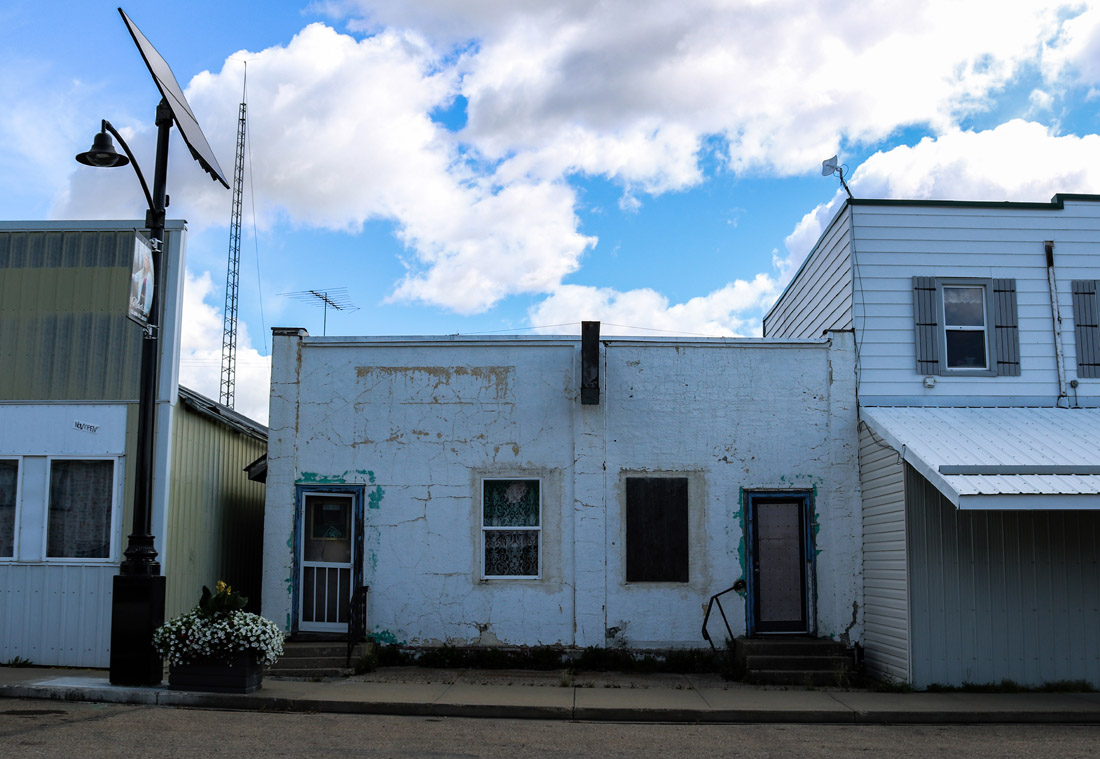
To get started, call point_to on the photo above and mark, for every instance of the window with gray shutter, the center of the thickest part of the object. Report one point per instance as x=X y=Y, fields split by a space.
x=927 y=325
x=1006 y=332
x=1086 y=327
x=960 y=339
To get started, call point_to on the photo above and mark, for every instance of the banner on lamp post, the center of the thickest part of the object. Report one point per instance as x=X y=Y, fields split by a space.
x=142 y=282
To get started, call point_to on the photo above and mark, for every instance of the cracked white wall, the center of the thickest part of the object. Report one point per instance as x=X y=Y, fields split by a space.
x=419 y=422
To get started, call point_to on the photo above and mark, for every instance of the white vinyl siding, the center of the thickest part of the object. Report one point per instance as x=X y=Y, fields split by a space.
x=885 y=574
x=894 y=243
x=819 y=297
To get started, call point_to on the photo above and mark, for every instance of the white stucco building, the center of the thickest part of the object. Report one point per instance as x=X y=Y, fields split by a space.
x=466 y=483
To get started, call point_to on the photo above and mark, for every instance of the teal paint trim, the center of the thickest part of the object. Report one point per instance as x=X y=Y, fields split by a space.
x=312 y=478
x=385 y=638
x=815 y=524
x=320 y=479
x=741 y=543
x=374 y=497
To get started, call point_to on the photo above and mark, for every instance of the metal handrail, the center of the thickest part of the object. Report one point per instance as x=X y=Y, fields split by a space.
x=357 y=624
x=706 y=617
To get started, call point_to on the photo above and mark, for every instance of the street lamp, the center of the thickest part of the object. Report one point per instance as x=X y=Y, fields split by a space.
x=138 y=597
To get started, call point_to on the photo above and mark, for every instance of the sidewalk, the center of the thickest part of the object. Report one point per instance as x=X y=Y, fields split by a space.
x=633 y=698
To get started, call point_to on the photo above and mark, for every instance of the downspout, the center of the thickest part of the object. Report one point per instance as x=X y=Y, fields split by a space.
x=1056 y=316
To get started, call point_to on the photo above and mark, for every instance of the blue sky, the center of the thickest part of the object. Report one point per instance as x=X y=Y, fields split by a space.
x=521 y=165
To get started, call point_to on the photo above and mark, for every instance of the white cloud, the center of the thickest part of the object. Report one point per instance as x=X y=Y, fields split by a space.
x=201 y=353
x=734 y=310
x=629 y=90
x=1018 y=160
x=341 y=134
x=1040 y=100
x=1074 y=54
x=784 y=82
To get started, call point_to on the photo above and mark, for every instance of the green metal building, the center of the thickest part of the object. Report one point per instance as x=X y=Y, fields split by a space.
x=69 y=376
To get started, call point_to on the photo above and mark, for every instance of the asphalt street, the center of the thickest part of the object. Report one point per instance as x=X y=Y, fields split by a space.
x=38 y=728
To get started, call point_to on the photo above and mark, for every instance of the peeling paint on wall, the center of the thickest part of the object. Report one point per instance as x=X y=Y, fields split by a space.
x=321 y=479
x=374 y=497
x=498 y=377
x=385 y=638
x=345 y=478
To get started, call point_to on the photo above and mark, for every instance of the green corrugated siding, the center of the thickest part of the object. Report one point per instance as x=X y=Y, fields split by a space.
x=63 y=327
x=215 y=514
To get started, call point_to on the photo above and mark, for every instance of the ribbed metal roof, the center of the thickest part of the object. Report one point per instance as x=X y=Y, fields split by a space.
x=999 y=458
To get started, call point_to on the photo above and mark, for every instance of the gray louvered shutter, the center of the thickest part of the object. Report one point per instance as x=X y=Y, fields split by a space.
x=927 y=325
x=1006 y=332
x=1086 y=328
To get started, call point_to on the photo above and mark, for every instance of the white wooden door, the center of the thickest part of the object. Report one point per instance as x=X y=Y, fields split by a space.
x=325 y=564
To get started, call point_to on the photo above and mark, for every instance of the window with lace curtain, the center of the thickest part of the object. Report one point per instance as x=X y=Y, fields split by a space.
x=81 y=504
x=511 y=528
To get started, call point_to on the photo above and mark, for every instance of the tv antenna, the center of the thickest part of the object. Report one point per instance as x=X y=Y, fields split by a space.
x=232 y=276
x=333 y=297
x=829 y=167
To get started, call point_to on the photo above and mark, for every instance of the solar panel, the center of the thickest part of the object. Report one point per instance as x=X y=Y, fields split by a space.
x=181 y=111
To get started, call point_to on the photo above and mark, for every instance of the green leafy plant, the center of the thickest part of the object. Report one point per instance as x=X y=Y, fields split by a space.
x=224 y=600
x=217 y=629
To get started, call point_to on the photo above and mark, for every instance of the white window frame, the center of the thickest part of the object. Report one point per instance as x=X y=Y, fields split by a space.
x=116 y=515
x=484 y=529
x=18 y=511
x=986 y=287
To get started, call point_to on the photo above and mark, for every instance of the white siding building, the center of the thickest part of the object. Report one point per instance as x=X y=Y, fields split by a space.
x=977 y=352
x=466 y=482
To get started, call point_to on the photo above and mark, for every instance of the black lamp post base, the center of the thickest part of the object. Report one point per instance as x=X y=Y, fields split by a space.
x=137 y=610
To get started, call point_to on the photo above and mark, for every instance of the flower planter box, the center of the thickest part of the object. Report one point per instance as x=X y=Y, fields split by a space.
x=243 y=673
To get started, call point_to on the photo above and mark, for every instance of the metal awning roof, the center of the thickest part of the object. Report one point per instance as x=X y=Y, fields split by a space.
x=999 y=458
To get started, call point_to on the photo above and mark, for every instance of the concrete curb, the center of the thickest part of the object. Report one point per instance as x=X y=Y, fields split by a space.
x=1031 y=709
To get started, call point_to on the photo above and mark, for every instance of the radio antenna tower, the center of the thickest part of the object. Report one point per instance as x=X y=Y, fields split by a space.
x=232 y=276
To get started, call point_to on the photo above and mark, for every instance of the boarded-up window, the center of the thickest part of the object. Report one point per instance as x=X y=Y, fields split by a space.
x=9 y=478
x=656 y=529
x=80 y=509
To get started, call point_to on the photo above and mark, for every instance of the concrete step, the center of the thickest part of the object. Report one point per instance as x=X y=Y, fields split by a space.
x=795 y=677
x=791 y=647
x=308 y=673
x=793 y=661
x=755 y=662
x=305 y=662
x=297 y=648
x=313 y=659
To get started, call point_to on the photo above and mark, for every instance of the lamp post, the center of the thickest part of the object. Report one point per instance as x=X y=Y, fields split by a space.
x=138 y=602
x=139 y=588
